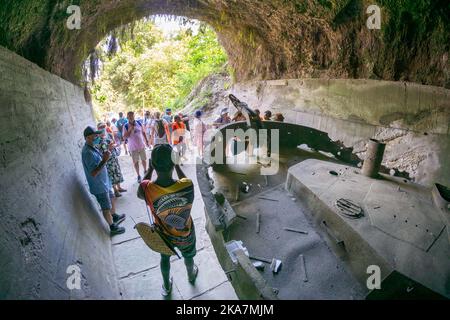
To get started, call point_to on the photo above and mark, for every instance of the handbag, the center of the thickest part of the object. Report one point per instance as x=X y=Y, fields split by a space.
x=152 y=234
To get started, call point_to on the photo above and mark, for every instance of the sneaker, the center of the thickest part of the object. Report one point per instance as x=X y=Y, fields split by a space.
x=165 y=292
x=139 y=179
x=118 y=218
x=115 y=229
x=122 y=190
x=117 y=194
x=194 y=275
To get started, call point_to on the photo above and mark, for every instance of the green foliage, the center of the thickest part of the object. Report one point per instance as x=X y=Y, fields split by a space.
x=153 y=72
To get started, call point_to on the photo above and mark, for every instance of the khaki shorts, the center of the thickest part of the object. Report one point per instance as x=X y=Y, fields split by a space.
x=135 y=155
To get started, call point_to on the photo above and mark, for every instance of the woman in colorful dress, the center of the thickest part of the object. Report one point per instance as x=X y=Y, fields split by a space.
x=113 y=166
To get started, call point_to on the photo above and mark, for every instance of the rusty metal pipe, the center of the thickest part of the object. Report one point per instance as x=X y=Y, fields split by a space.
x=374 y=157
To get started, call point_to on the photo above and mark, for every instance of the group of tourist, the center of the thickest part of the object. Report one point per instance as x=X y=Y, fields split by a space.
x=166 y=135
x=103 y=174
x=224 y=117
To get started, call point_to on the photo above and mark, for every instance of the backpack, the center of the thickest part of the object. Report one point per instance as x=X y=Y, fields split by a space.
x=136 y=121
x=160 y=128
x=119 y=124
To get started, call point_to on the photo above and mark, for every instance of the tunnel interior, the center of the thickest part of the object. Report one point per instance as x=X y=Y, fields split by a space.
x=264 y=39
x=315 y=61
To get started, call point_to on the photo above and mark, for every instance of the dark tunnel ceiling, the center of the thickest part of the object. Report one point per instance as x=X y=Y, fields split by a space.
x=266 y=39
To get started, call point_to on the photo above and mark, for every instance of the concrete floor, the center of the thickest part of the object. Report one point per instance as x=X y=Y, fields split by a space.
x=400 y=222
x=138 y=267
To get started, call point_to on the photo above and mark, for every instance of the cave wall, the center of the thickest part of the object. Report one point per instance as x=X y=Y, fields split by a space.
x=265 y=39
x=413 y=120
x=48 y=218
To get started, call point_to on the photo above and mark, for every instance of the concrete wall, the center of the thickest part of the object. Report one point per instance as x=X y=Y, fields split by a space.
x=414 y=120
x=48 y=219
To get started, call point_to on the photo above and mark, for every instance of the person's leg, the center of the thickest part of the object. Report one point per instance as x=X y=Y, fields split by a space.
x=165 y=270
x=108 y=217
x=189 y=263
x=113 y=205
x=117 y=218
x=189 y=251
x=120 y=189
x=183 y=149
x=125 y=146
x=106 y=204
x=136 y=167
x=116 y=191
x=143 y=156
x=135 y=159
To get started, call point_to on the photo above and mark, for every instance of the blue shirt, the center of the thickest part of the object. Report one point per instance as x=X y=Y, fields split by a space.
x=91 y=159
x=120 y=123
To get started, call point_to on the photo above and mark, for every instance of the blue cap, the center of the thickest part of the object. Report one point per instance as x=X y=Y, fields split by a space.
x=89 y=130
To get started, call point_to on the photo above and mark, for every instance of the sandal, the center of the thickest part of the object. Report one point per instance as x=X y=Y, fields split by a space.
x=117 y=194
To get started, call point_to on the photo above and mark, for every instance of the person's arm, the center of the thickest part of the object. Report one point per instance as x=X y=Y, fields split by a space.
x=144 y=134
x=166 y=127
x=102 y=163
x=180 y=172
x=148 y=176
x=127 y=133
x=141 y=193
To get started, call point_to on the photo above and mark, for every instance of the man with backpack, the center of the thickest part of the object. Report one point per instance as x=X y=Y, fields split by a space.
x=160 y=131
x=134 y=132
x=168 y=118
x=119 y=124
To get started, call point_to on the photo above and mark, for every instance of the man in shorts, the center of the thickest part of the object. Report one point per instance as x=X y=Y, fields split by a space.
x=94 y=164
x=172 y=201
x=134 y=132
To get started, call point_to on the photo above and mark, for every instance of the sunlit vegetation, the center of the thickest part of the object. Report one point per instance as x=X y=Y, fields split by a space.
x=140 y=67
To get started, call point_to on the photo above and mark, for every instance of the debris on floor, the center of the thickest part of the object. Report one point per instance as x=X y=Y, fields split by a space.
x=245 y=187
x=275 y=266
x=264 y=198
x=296 y=230
x=258 y=222
x=259 y=265
x=260 y=259
x=305 y=276
x=234 y=245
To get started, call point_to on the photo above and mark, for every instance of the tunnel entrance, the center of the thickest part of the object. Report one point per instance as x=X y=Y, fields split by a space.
x=151 y=65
